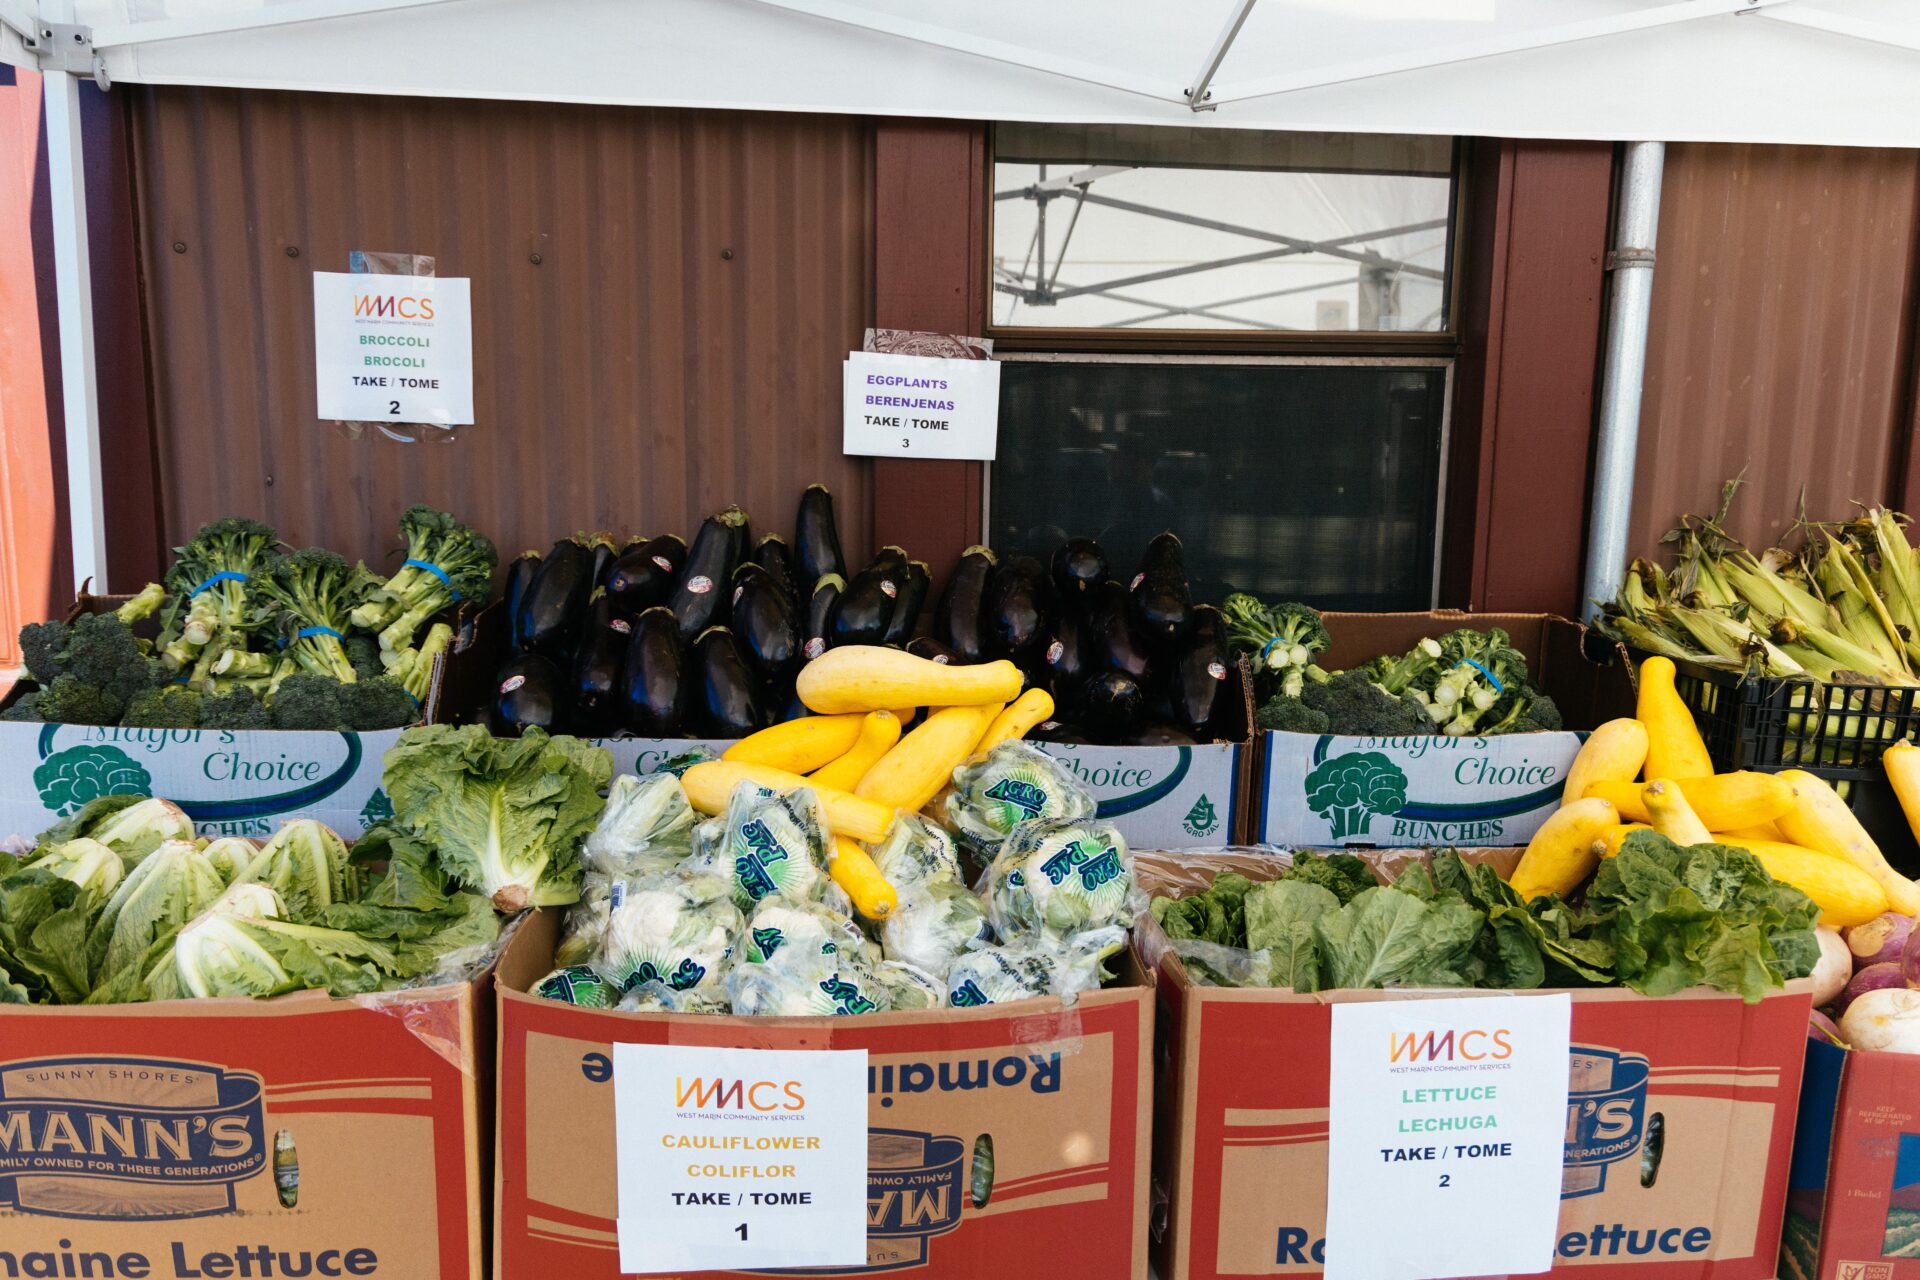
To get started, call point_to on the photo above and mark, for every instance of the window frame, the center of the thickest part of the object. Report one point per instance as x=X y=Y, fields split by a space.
x=1402 y=359
x=1446 y=341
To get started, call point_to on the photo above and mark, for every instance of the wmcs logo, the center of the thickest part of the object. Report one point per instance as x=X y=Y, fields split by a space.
x=173 y=1137
x=1476 y=1045
x=743 y=1096
x=393 y=306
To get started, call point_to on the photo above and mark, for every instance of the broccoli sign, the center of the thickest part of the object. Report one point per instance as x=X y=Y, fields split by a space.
x=70 y=778
x=1348 y=790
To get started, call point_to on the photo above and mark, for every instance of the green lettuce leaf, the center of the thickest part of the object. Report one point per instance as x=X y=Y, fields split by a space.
x=225 y=954
x=1216 y=916
x=1387 y=937
x=1345 y=875
x=1281 y=915
x=306 y=863
x=169 y=887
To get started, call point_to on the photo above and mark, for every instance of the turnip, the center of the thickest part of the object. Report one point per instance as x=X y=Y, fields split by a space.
x=1821 y=1027
x=1881 y=940
x=1886 y=1021
x=1835 y=968
x=1875 y=977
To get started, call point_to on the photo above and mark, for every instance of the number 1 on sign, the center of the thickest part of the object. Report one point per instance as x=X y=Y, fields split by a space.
x=742 y=1229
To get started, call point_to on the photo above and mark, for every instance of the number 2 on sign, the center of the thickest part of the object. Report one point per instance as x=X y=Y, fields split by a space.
x=1446 y=1179
x=742 y=1229
x=393 y=407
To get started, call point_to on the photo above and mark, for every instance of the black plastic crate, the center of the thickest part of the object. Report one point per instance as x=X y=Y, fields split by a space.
x=1833 y=731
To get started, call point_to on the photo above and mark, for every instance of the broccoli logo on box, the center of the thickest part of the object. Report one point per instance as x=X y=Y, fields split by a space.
x=68 y=779
x=1348 y=790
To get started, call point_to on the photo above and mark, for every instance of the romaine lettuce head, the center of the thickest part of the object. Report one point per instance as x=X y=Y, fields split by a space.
x=132 y=826
x=1052 y=880
x=775 y=846
x=231 y=856
x=221 y=953
x=676 y=927
x=1015 y=783
x=43 y=933
x=250 y=899
x=647 y=821
x=935 y=923
x=916 y=851
x=1000 y=975
x=86 y=862
x=306 y=863
x=167 y=888
x=505 y=816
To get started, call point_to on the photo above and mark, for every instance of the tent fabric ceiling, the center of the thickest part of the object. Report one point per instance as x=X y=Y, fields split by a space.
x=1803 y=71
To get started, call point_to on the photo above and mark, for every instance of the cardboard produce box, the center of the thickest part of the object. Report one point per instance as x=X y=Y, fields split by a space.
x=1433 y=789
x=1679 y=1116
x=1853 y=1207
x=230 y=782
x=302 y=1135
x=1062 y=1091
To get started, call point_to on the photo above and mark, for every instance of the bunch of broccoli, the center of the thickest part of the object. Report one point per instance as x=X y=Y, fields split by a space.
x=1465 y=683
x=1280 y=641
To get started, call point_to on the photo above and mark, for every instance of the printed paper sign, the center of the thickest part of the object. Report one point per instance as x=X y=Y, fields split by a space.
x=1449 y=1117
x=737 y=1159
x=914 y=407
x=393 y=348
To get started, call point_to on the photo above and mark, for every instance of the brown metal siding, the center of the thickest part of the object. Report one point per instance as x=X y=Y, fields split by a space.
x=662 y=301
x=1782 y=308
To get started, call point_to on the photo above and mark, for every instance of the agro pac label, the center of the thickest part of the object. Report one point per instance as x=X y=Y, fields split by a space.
x=1322 y=790
x=1160 y=797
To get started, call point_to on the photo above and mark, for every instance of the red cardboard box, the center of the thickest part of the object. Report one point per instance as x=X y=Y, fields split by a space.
x=1061 y=1089
x=151 y=1133
x=1240 y=1149
x=1854 y=1209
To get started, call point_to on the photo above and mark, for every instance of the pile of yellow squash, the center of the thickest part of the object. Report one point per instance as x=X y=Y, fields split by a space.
x=852 y=754
x=1653 y=770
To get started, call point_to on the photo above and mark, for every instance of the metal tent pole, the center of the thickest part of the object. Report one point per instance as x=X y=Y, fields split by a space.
x=1623 y=370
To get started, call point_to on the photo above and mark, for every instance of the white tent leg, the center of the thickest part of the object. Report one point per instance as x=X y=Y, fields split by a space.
x=73 y=277
x=1624 y=370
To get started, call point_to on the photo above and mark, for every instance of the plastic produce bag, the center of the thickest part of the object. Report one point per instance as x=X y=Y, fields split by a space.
x=916 y=851
x=809 y=927
x=658 y=997
x=997 y=975
x=647 y=822
x=774 y=846
x=800 y=962
x=577 y=984
x=674 y=927
x=585 y=924
x=936 y=922
x=1015 y=783
x=1052 y=880
x=909 y=987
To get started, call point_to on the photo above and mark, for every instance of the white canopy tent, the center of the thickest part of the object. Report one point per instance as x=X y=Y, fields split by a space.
x=1836 y=72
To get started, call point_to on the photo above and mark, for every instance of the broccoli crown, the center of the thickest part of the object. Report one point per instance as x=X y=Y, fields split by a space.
x=171 y=706
x=27 y=708
x=42 y=648
x=70 y=700
x=1544 y=714
x=238 y=708
x=1298 y=624
x=363 y=651
x=1290 y=715
x=1354 y=705
x=232 y=544
x=307 y=701
x=103 y=651
x=1364 y=780
x=464 y=555
x=370 y=705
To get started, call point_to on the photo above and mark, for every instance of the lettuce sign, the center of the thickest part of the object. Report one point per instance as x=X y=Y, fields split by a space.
x=1402 y=792
x=229 y=782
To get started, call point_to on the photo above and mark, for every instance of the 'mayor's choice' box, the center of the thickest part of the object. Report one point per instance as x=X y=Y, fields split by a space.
x=298 y=1136
x=1679 y=1120
x=1052 y=1097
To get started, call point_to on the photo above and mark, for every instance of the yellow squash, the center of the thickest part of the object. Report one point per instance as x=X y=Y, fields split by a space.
x=799 y=746
x=853 y=869
x=1675 y=748
x=1024 y=712
x=1723 y=801
x=1612 y=753
x=1671 y=815
x=879 y=730
x=1759 y=831
x=1846 y=894
x=1617 y=836
x=1821 y=821
x=1902 y=763
x=710 y=785
x=1566 y=848
x=861 y=677
x=923 y=761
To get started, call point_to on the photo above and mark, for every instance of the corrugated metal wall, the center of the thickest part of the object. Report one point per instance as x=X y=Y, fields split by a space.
x=662 y=301
x=1781 y=338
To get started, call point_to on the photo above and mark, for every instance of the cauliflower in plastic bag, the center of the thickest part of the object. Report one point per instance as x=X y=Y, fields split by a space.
x=774 y=846
x=577 y=984
x=916 y=851
x=809 y=927
x=1015 y=783
x=647 y=822
x=935 y=923
x=997 y=975
x=674 y=927
x=585 y=923
x=909 y=987
x=658 y=997
x=1051 y=880
x=804 y=961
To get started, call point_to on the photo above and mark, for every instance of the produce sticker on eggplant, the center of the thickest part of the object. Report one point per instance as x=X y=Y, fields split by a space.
x=920 y=407
x=740 y=1159
x=393 y=348
x=1451 y=1114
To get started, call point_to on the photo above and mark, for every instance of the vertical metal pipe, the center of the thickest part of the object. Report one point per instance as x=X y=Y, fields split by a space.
x=1623 y=370
x=73 y=283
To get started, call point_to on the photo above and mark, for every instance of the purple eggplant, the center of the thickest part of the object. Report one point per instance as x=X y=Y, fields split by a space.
x=646 y=573
x=765 y=625
x=726 y=697
x=597 y=659
x=530 y=692
x=519 y=575
x=1079 y=565
x=816 y=537
x=555 y=602
x=1018 y=607
x=958 y=620
x=700 y=599
x=1114 y=705
x=653 y=677
x=1160 y=595
x=906 y=610
x=1197 y=679
x=1113 y=641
